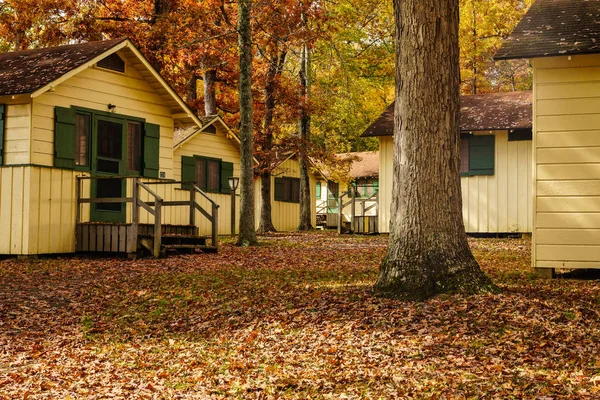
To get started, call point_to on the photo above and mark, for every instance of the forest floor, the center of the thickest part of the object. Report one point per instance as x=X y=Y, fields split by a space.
x=293 y=318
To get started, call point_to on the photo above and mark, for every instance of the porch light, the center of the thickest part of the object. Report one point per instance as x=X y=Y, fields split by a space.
x=111 y=107
x=233 y=183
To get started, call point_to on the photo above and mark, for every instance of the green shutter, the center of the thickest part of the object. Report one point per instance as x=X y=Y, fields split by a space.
x=188 y=171
x=279 y=189
x=151 y=150
x=64 y=137
x=481 y=155
x=2 y=108
x=226 y=172
x=375 y=186
x=318 y=190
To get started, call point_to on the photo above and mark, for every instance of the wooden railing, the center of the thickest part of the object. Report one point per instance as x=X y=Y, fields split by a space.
x=352 y=200
x=154 y=208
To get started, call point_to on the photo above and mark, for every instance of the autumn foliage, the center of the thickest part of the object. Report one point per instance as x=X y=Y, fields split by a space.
x=293 y=318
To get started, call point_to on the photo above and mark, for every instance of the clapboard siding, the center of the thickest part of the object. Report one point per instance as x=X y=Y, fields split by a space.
x=286 y=215
x=14 y=205
x=16 y=134
x=499 y=203
x=214 y=145
x=95 y=88
x=567 y=162
x=386 y=173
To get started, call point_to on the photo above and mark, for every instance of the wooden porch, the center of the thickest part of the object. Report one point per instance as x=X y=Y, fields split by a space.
x=134 y=237
x=352 y=214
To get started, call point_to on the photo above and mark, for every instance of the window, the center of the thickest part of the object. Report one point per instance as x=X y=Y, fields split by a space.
x=208 y=174
x=318 y=190
x=100 y=141
x=134 y=146
x=83 y=130
x=287 y=189
x=366 y=187
x=477 y=155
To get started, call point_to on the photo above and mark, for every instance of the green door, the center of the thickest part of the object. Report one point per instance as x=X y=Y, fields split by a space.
x=108 y=159
x=332 y=197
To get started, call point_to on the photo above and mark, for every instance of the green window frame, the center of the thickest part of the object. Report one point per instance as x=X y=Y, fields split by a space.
x=209 y=174
x=318 y=190
x=477 y=155
x=287 y=190
x=75 y=129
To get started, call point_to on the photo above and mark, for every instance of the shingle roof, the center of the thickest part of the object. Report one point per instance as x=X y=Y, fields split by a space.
x=366 y=164
x=29 y=70
x=482 y=112
x=553 y=28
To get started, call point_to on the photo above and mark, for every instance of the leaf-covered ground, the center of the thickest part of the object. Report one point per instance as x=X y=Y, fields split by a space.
x=293 y=318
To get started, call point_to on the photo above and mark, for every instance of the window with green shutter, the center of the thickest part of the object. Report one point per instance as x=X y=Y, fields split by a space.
x=76 y=141
x=477 y=155
x=208 y=174
x=2 y=118
x=318 y=190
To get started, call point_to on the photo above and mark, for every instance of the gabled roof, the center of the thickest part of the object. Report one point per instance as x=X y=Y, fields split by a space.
x=365 y=165
x=482 y=112
x=34 y=72
x=29 y=70
x=554 y=28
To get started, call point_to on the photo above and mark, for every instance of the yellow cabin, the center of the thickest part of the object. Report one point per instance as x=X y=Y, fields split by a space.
x=496 y=151
x=86 y=155
x=566 y=130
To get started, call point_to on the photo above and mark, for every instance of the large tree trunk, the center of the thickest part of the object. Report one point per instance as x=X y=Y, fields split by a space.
x=247 y=235
x=305 y=203
x=275 y=67
x=428 y=251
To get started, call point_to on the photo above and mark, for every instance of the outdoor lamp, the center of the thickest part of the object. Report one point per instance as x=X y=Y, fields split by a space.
x=233 y=183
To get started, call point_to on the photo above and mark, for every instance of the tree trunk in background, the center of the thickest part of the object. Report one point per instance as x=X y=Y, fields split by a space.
x=247 y=235
x=428 y=252
x=305 y=204
x=275 y=67
x=210 y=95
x=193 y=88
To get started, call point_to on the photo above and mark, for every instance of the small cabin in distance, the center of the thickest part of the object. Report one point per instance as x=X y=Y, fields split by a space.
x=561 y=40
x=496 y=168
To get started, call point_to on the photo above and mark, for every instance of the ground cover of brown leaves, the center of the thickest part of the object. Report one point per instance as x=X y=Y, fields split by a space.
x=293 y=318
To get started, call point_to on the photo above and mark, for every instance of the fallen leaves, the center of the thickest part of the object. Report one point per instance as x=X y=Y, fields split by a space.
x=293 y=318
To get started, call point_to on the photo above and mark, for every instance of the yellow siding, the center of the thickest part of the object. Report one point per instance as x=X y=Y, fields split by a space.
x=499 y=203
x=386 y=173
x=14 y=206
x=16 y=134
x=567 y=162
x=285 y=215
x=215 y=145
x=95 y=88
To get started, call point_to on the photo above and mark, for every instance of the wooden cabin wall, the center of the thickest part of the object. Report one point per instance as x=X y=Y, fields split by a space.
x=499 y=203
x=567 y=162
x=386 y=174
x=14 y=210
x=16 y=134
x=95 y=88
x=286 y=215
x=214 y=145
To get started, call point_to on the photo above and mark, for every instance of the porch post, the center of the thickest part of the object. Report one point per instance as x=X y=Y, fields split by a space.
x=133 y=240
x=192 y=207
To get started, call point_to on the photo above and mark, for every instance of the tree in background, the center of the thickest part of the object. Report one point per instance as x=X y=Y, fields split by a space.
x=428 y=252
x=484 y=24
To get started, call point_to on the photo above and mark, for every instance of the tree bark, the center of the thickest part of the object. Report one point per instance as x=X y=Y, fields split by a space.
x=210 y=97
x=305 y=203
x=276 y=63
x=428 y=252
x=247 y=234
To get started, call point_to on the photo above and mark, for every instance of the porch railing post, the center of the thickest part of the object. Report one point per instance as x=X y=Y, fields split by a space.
x=157 y=227
x=364 y=217
x=215 y=226
x=135 y=212
x=192 y=207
